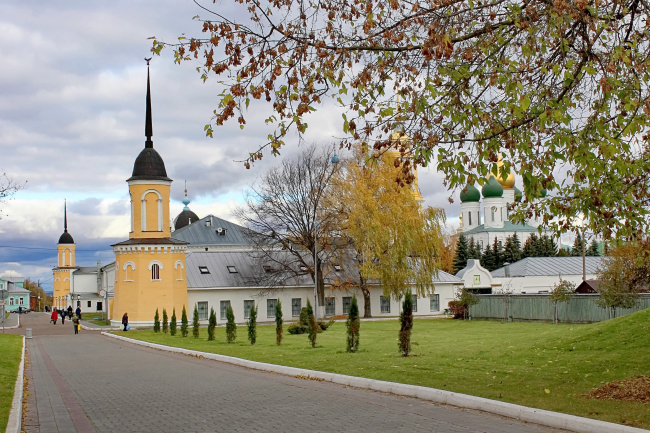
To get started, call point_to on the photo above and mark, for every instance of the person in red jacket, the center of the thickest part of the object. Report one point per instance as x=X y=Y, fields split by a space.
x=54 y=316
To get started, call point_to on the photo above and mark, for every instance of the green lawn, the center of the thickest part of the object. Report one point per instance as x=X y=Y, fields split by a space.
x=532 y=364
x=11 y=347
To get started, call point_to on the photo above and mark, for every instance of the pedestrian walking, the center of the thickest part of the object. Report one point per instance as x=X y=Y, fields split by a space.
x=54 y=316
x=76 y=324
x=78 y=313
x=70 y=312
x=125 y=321
x=62 y=313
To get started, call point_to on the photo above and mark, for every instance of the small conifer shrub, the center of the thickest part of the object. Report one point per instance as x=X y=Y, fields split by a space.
x=156 y=322
x=406 y=320
x=212 y=324
x=184 y=322
x=165 y=322
x=231 y=327
x=313 y=327
x=172 y=323
x=251 y=324
x=353 y=323
x=195 y=322
x=278 y=323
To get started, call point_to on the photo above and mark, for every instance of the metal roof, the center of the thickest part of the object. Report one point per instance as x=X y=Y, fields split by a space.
x=507 y=227
x=246 y=270
x=540 y=266
x=211 y=230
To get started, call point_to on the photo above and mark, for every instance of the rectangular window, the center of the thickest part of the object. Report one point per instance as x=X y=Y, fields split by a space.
x=204 y=269
x=415 y=303
x=21 y=301
x=384 y=302
x=270 y=307
x=247 y=308
x=268 y=268
x=11 y=301
x=347 y=301
x=337 y=268
x=203 y=310
x=90 y=304
x=435 y=303
x=99 y=306
x=469 y=214
x=232 y=269
x=330 y=306
x=296 y=306
x=223 y=309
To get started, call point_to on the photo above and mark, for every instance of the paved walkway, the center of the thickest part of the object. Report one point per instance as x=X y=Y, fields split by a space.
x=90 y=383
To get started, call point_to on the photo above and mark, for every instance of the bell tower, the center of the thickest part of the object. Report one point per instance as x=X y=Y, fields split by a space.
x=62 y=274
x=150 y=266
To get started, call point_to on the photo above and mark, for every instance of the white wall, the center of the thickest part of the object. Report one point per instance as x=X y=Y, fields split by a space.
x=237 y=296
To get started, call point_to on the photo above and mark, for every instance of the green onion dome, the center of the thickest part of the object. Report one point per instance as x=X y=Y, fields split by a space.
x=470 y=193
x=492 y=188
x=518 y=195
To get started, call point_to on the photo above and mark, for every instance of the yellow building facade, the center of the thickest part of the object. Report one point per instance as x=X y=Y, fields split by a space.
x=150 y=266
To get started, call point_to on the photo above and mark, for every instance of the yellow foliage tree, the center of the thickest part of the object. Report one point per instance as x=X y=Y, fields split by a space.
x=395 y=241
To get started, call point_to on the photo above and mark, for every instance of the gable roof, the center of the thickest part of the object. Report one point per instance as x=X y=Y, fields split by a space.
x=541 y=266
x=206 y=232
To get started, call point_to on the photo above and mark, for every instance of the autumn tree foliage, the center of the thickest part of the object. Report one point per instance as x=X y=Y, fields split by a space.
x=394 y=241
x=288 y=221
x=560 y=88
x=624 y=274
x=8 y=187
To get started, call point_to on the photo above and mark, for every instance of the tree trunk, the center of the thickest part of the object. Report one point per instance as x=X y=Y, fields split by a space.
x=367 y=311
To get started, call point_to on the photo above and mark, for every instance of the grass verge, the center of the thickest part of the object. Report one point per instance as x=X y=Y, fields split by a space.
x=10 y=353
x=538 y=365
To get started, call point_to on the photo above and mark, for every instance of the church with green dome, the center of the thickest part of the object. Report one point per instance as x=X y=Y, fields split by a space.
x=484 y=213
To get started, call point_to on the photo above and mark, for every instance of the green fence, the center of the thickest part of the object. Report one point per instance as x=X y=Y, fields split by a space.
x=538 y=307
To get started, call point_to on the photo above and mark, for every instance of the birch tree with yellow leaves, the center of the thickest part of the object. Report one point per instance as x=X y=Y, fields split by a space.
x=394 y=240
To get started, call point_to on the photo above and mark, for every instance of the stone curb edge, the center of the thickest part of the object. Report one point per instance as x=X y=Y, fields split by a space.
x=522 y=413
x=16 y=414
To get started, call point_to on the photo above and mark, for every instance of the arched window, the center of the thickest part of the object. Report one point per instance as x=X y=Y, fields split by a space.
x=179 y=266
x=469 y=214
x=128 y=276
x=155 y=268
x=151 y=202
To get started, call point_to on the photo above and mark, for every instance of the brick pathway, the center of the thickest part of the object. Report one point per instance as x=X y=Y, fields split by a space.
x=89 y=383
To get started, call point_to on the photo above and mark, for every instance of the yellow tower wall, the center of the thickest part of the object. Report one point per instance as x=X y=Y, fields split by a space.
x=150 y=199
x=137 y=294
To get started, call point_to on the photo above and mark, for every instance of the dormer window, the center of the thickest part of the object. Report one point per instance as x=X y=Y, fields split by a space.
x=268 y=268
x=337 y=268
x=232 y=269
x=303 y=268
x=204 y=269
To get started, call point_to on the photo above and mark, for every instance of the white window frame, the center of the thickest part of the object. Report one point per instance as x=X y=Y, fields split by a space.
x=248 y=303
x=203 y=314
x=434 y=302
x=223 y=309
x=384 y=304
x=330 y=306
x=270 y=307
x=346 y=302
x=294 y=304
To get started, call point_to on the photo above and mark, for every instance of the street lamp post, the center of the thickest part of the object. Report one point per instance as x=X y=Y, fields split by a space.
x=79 y=301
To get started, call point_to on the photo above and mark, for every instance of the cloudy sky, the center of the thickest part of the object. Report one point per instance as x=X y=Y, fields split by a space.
x=72 y=108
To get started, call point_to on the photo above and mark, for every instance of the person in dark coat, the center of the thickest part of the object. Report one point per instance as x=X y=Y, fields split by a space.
x=125 y=320
x=70 y=312
x=62 y=313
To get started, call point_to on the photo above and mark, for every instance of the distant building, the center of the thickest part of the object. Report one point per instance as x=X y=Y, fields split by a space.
x=485 y=220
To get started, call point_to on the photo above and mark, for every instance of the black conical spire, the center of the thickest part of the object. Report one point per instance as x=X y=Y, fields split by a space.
x=65 y=238
x=148 y=127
